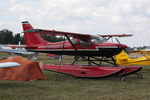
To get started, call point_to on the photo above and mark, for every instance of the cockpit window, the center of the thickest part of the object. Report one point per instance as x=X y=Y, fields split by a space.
x=74 y=41
x=84 y=43
x=97 y=39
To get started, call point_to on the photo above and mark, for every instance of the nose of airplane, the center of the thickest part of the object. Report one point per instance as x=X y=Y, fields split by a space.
x=112 y=45
x=110 y=49
x=123 y=46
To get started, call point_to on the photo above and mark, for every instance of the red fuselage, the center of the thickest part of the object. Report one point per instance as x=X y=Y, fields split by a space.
x=82 y=48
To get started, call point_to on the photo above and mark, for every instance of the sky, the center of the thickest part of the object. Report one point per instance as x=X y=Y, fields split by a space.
x=81 y=16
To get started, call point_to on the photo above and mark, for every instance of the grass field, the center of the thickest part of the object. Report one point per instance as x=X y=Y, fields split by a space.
x=64 y=87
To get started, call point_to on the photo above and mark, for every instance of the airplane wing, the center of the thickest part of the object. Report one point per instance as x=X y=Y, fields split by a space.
x=22 y=52
x=107 y=37
x=15 y=51
x=9 y=64
x=141 y=52
x=53 y=32
x=15 y=46
x=77 y=35
x=117 y=35
x=19 y=51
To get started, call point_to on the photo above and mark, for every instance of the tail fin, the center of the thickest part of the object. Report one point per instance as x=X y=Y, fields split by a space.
x=122 y=58
x=32 y=38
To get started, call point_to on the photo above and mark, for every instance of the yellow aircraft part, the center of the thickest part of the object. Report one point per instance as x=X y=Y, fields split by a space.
x=143 y=52
x=124 y=59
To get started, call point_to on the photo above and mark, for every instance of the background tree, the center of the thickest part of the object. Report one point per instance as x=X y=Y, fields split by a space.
x=6 y=37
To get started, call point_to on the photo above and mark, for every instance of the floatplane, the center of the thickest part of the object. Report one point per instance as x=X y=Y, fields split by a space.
x=94 y=49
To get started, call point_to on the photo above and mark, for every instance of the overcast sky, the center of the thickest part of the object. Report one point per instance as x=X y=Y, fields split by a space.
x=82 y=16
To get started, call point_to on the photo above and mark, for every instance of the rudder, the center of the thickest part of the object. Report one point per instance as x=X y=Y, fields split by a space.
x=32 y=38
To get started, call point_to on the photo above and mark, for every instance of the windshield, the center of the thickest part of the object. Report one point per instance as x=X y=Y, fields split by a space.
x=97 y=39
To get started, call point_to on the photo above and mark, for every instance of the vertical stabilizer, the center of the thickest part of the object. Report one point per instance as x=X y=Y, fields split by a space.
x=32 y=38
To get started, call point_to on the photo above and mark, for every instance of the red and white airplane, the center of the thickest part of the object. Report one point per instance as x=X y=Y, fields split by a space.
x=91 y=48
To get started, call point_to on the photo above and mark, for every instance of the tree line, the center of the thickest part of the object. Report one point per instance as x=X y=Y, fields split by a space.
x=7 y=37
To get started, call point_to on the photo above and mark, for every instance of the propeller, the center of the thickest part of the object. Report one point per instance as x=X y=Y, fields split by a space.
x=120 y=46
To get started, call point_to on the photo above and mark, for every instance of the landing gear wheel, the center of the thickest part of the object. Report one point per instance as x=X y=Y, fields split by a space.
x=123 y=78
x=140 y=76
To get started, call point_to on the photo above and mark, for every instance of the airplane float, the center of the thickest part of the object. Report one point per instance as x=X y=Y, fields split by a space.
x=94 y=49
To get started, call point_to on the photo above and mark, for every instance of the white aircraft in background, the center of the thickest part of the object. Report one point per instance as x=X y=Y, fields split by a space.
x=21 y=51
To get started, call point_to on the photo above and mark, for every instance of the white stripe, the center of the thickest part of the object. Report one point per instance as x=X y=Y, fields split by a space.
x=108 y=47
x=97 y=49
x=63 y=49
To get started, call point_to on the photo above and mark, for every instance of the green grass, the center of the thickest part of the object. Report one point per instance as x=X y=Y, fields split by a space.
x=64 y=87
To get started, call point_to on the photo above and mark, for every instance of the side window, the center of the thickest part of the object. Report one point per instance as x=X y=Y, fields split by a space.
x=74 y=41
x=97 y=39
x=84 y=43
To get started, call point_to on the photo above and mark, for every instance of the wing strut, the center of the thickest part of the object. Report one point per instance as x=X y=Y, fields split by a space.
x=71 y=43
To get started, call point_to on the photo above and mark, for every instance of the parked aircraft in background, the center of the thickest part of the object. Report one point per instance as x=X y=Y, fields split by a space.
x=53 y=56
x=139 y=57
x=22 y=52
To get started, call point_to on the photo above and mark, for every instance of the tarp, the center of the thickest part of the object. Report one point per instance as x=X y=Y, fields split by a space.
x=28 y=70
